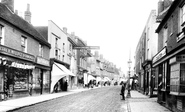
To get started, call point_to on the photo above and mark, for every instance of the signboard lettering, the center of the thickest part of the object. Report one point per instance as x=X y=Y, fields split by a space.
x=159 y=55
x=16 y=53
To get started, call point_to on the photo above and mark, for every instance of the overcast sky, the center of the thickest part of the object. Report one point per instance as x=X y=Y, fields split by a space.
x=114 y=25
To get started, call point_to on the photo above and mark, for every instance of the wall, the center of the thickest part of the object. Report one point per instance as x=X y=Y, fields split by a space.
x=53 y=31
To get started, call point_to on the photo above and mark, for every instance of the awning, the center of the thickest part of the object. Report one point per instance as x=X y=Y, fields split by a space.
x=106 y=79
x=64 y=69
x=98 y=79
x=90 y=77
x=58 y=72
x=56 y=75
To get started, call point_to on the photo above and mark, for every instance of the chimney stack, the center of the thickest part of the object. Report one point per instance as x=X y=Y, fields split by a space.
x=27 y=14
x=9 y=4
x=65 y=30
x=16 y=12
x=160 y=6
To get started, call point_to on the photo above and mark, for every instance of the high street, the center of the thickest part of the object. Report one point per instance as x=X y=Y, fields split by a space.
x=103 y=99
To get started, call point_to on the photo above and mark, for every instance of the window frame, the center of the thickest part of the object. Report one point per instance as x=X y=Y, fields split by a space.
x=41 y=50
x=1 y=34
x=24 y=46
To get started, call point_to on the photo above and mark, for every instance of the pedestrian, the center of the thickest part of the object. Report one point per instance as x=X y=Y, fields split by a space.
x=123 y=91
x=65 y=85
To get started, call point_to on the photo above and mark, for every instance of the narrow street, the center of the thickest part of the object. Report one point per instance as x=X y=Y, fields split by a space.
x=105 y=99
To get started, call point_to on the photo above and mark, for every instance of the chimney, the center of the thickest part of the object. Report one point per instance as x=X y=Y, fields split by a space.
x=9 y=4
x=160 y=6
x=167 y=3
x=96 y=54
x=16 y=12
x=27 y=14
x=65 y=29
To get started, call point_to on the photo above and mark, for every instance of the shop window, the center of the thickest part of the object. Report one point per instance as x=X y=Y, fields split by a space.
x=23 y=44
x=1 y=35
x=20 y=79
x=177 y=79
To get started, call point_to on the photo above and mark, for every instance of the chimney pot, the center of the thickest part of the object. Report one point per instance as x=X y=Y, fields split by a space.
x=27 y=14
x=65 y=29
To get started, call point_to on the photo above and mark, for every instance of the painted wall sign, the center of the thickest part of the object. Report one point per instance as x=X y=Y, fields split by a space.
x=16 y=53
x=161 y=54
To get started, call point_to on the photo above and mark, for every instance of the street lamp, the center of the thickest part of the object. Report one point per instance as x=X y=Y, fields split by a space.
x=129 y=66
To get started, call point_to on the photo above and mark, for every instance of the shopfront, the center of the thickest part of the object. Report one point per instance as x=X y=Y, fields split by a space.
x=15 y=69
x=40 y=78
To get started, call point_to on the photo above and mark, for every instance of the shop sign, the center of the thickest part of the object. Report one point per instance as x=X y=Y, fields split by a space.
x=15 y=53
x=42 y=61
x=180 y=37
x=159 y=55
x=22 y=66
x=177 y=58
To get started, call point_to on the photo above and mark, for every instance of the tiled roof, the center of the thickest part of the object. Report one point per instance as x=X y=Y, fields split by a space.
x=21 y=24
x=43 y=30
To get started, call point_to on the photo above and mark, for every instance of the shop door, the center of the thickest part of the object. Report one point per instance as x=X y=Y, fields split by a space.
x=41 y=83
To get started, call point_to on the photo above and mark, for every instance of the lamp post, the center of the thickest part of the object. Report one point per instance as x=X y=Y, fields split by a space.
x=129 y=66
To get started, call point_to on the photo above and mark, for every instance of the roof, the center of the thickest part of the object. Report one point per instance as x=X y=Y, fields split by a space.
x=168 y=14
x=43 y=30
x=21 y=24
x=162 y=14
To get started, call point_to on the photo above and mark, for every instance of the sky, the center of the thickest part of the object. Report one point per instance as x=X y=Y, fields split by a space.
x=114 y=25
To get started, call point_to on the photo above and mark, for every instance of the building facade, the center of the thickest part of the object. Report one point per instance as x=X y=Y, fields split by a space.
x=24 y=69
x=59 y=55
x=169 y=62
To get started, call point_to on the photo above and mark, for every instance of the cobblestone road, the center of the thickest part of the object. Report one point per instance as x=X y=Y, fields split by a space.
x=105 y=99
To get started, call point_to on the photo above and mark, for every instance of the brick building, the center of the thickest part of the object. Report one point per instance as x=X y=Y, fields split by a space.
x=24 y=55
x=169 y=61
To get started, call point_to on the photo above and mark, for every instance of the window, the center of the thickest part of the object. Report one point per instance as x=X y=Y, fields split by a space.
x=63 y=47
x=23 y=44
x=171 y=28
x=1 y=35
x=56 y=42
x=182 y=17
x=63 y=58
x=70 y=46
x=165 y=36
x=41 y=50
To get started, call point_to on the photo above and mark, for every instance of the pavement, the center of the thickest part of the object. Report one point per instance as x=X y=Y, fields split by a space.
x=137 y=103
x=142 y=103
x=30 y=100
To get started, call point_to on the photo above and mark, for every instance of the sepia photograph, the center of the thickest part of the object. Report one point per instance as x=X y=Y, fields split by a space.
x=92 y=55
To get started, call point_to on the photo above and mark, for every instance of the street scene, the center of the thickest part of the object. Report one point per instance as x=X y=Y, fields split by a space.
x=104 y=99
x=92 y=56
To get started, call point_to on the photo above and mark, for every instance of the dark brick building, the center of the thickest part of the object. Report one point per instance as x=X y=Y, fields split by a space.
x=170 y=60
